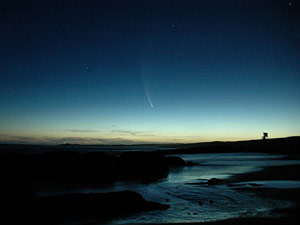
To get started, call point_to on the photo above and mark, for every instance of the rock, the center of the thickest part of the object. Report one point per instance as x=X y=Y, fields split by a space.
x=175 y=161
x=214 y=181
x=16 y=202
x=145 y=166
x=255 y=184
x=64 y=167
x=60 y=167
x=75 y=207
x=190 y=163
x=16 y=192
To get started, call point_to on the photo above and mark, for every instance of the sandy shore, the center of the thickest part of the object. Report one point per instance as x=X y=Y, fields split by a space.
x=245 y=221
x=286 y=220
x=288 y=216
x=289 y=172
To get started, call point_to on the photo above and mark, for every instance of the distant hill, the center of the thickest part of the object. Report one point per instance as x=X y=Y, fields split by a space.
x=276 y=145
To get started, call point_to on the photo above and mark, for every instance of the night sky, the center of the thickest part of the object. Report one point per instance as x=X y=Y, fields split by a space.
x=125 y=72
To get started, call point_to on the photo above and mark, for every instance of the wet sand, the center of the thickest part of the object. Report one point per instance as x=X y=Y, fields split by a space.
x=289 y=172
x=288 y=216
x=245 y=221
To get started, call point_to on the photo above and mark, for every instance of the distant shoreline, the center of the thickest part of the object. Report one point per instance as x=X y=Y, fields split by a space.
x=194 y=144
x=287 y=145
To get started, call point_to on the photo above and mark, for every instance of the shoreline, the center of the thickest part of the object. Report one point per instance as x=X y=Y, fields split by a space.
x=237 y=221
x=286 y=216
x=285 y=172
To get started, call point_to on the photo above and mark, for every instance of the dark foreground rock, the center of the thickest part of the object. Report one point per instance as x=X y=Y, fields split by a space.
x=25 y=208
x=214 y=181
x=190 y=163
x=175 y=161
x=85 y=168
x=144 y=166
x=59 y=167
x=98 y=206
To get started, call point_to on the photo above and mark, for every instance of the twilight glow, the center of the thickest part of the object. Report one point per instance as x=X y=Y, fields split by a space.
x=92 y=73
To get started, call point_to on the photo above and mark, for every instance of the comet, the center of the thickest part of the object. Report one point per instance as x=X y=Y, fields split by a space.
x=147 y=92
x=148 y=96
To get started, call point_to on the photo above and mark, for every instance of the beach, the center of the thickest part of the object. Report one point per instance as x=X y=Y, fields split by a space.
x=150 y=187
x=277 y=216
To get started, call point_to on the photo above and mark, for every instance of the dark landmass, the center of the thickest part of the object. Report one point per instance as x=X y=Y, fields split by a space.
x=25 y=167
x=21 y=174
x=289 y=145
x=112 y=149
x=275 y=145
x=19 y=204
x=85 y=168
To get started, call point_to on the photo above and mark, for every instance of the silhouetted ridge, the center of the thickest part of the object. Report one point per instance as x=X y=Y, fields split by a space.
x=278 y=145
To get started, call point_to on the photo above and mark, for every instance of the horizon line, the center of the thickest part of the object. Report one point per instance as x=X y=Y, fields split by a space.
x=143 y=144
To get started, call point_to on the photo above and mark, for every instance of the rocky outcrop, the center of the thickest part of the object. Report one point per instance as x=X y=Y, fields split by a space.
x=19 y=204
x=214 y=181
x=86 y=168
x=142 y=166
x=175 y=161
x=72 y=207
x=60 y=166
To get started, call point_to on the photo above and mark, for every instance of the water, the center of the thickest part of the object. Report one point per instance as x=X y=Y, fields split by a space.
x=200 y=203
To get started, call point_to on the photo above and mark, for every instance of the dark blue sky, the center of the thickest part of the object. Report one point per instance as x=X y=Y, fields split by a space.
x=148 y=71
